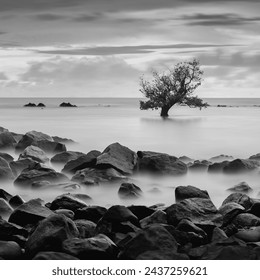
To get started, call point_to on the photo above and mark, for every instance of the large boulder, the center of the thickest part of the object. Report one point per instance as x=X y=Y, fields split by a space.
x=118 y=157
x=99 y=247
x=35 y=154
x=81 y=162
x=241 y=165
x=39 y=173
x=7 y=140
x=5 y=170
x=50 y=233
x=246 y=220
x=183 y=192
x=153 y=242
x=31 y=137
x=31 y=212
x=229 y=211
x=241 y=187
x=67 y=201
x=64 y=157
x=239 y=198
x=201 y=211
x=160 y=163
x=92 y=176
x=129 y=190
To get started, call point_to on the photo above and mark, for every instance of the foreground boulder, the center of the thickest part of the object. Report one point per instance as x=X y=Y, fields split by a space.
x=239 y=198
x=183 y=192
x=10 y=250
x=68 y=201
x=50 y=233
x=152 y=243
x=229 y=211
x=35 y=154
x=30 y=212
x=129 y=190
x=39 y=173
x=201 y=211
x=160 y=163
x=240 y=165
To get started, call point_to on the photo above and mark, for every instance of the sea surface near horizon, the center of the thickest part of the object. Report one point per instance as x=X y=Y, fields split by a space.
x=97 y=122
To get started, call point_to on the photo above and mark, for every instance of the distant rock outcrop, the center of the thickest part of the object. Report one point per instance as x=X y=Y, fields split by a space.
x=67 y=104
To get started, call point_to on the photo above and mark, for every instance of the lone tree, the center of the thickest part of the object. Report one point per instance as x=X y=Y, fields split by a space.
x=174 y=87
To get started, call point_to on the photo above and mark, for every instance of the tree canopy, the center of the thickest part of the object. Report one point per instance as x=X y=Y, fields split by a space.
x=174 y=86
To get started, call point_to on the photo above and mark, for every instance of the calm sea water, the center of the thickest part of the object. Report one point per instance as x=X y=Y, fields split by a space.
x=96 y=123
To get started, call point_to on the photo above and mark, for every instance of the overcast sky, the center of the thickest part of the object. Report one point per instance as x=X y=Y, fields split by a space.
x=100 y=48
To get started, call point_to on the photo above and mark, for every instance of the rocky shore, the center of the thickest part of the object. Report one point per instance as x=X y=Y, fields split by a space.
x=70 y=227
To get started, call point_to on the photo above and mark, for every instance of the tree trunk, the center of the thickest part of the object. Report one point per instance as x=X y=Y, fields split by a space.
x=164 y=111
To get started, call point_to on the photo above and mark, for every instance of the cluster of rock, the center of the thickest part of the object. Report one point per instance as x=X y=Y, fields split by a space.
x=67 y=104
x=63 y=104
x=69 y=228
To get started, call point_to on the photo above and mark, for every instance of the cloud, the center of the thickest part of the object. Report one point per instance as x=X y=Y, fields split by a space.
x=218 y=19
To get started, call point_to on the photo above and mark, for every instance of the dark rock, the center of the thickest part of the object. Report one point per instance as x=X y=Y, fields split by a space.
x=201 y=211
x=64 y=157
x=183 y=192
x=92 y=213
x=118 y=157
x=86 y=228
x=129 y=190
x=67 y=201
x=241 y=187
x=158 y=217
x=240 y=165
x=5 y=208
x=2 y=129
x=99 y=247
x=9 y=230
x=17 y=136
x=199 y=165
x=186 y=159
x=41 y=105
x=7 y=140
x=30 y=105
x=245 y=220
x=5 y=195
x=92 y=176
x=62 y=140
x=154 y=242
x=50 y=146
x=49 y=255
x=30 y=138
x=141 y=211
x=218 y=235
x=188 y=226
x=16 y=201
x=160 y=163
x=239 y=198
x=30 y=212
x=5 y=170
x=35 y=154
x=221 y=158
x=66 y=212
x=10 y=250
x=255 y=209
x=6 y=156
x=67 y=104
x=255 y=157
x=249 y=235
x=229 y=211
x=217 y=166
x=19 y=165
x=82 y=162
x=39 y=173
x=50 y=233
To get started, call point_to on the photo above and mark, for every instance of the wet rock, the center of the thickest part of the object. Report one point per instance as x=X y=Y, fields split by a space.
x=39 y=173
x=5 y=208
x=91 y=176
x=7 y=140
x=244 y=220
x=19 y=165
x=5 y=195
x=229 y=211
x=81 y=162
x=183 y=192
x=158 y=217
x=31 y=212
x=35 y=154
x=99 y=247
x=16 y=201
x=7 y=157
x=68 y=213
x=117 y=157
x=86 y=228
x=129 y=190
x=241 y=187
x=92 y=213
x=64 y=157
x=10 y=250
x=67 y=201
x=201 y=211
x=5 y=170
x=221 y=158
x=249 y=235
x=50 y=233
x=141 y=211
x=240 y=165
x=239 y=198
x=50 y=255
x=217 y=166
x=154 y=242
x=160 y=163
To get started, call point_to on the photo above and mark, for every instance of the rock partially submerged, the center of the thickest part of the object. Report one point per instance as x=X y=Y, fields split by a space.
x=129 y=190
x=35 y=154
x=67 y=104
x=183 y=192
x=241 y=187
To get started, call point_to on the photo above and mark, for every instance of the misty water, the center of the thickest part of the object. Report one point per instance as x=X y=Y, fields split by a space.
x=96 y=123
